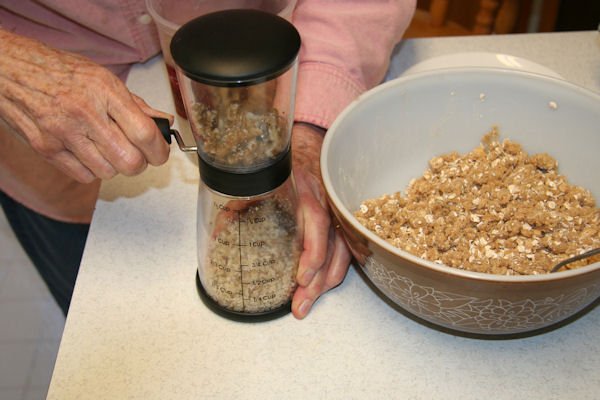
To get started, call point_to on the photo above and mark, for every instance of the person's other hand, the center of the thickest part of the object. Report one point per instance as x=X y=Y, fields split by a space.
x=325 y=259
x=75 y=113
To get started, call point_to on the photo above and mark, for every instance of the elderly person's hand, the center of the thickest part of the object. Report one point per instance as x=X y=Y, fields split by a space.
x=325 y=259
x=75 y=113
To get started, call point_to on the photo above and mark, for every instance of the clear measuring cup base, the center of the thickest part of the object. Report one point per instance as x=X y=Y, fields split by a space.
x=240 y=316
x=249 y=248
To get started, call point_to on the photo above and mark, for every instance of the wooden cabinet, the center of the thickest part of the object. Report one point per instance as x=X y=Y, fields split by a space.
x=481 y=17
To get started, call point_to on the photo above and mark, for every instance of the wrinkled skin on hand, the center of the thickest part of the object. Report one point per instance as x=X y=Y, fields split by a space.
x=325 y=259
x=76 y=114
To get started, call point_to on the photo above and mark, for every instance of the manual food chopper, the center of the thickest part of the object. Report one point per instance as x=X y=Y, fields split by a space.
x=237 y=72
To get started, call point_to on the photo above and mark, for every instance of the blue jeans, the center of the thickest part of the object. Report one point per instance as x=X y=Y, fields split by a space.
x=54 y=247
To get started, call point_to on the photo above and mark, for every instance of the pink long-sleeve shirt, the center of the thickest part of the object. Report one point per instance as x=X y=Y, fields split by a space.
x=345 y=50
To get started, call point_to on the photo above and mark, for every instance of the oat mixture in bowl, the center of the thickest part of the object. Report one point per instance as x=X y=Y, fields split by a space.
x=495 y=209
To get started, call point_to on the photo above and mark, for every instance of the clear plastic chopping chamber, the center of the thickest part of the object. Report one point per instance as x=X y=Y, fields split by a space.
x=241 y=128
x=249 y=252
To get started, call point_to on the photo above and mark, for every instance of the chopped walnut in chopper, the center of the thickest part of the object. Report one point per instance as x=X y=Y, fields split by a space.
x=236 y=129
x=494 y=210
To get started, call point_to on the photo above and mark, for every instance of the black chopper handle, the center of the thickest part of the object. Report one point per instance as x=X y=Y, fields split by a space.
x=166 y=131
x=164 y=127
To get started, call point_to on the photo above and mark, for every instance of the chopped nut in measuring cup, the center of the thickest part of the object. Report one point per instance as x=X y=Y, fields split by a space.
x=252 y=261
x=493 y=210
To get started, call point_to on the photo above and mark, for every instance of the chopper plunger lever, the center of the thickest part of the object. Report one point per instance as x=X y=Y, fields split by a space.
x=165 y=129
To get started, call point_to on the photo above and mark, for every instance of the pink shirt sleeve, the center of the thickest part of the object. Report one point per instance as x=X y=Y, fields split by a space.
x=112 y=33
x=346 y=48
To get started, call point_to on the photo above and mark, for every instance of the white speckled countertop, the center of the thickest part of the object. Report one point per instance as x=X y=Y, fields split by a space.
x=138 y=330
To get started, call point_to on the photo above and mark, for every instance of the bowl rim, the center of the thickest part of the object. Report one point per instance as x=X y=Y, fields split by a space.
x=337 y=203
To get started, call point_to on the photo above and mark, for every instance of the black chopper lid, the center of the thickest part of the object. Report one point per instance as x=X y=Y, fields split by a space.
x=237 y=47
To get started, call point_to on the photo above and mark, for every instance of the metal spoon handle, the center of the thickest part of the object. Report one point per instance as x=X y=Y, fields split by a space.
x=576 y=258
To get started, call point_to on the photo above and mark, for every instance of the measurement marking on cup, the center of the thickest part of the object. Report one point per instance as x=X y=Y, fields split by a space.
x=240 y=245
x=258 y=282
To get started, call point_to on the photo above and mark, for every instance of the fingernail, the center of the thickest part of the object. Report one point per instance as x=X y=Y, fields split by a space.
x=304 y=307
x=307 y=277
